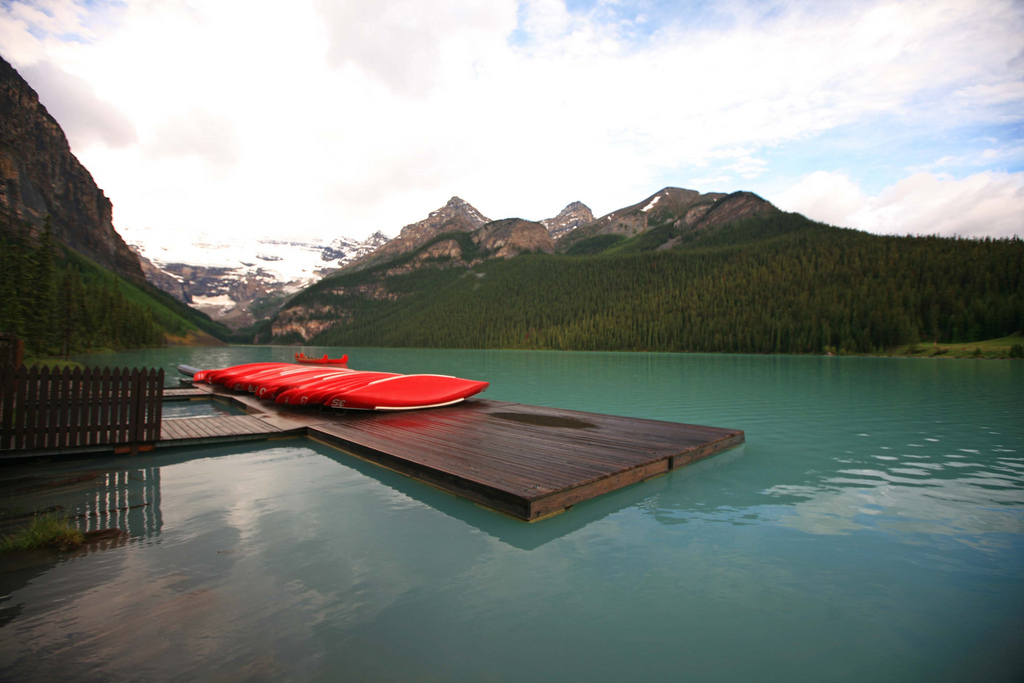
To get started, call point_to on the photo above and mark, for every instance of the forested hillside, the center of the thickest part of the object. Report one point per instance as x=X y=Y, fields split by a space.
x=59 y=302
x=777 y=283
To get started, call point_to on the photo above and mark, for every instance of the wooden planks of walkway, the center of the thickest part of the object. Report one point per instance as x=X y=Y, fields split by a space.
x=184 y=431
x=526 y=461
x=183 y=393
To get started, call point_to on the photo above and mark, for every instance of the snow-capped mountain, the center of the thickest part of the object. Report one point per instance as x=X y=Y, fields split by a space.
x=239 y=281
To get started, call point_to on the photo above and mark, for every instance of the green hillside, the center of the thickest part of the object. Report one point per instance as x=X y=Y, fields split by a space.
x=60 y=302
x=773 y=284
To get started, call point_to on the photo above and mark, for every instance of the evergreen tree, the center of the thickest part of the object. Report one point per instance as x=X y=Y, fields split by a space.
x=41 y=293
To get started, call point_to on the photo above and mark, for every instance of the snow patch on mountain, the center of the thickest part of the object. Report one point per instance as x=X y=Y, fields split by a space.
x=651 y=205
x=220 y=301
x=227 y=278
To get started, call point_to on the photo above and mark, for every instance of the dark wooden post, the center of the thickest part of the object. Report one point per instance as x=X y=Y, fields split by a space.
x=20 y=410
x=135 y=419
x=7 y=388
x=31 y=408
x=76 y=434
x=12 y=349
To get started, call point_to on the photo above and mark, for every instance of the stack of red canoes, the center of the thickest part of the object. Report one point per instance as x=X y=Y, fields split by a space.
x=325 y=382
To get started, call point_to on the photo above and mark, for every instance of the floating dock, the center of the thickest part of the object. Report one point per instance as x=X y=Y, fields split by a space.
x=526 y=461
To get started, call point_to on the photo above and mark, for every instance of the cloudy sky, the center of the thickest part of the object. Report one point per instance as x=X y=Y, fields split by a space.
x=342 y=117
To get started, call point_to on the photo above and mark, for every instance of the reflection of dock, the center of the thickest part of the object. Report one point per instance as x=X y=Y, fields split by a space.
x=124 y=499
x=526 y=461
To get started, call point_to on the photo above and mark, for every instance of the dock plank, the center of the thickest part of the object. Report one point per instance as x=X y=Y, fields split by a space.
x=183 y=394
x=190 y=430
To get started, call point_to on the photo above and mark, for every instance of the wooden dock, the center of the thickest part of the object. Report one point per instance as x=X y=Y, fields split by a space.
x=525 y=461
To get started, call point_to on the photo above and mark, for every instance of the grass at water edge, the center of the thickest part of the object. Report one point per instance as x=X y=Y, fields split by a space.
x=45 y=530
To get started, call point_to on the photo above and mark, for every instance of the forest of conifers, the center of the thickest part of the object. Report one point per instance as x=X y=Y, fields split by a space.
x=60 y=303
x=776 y=284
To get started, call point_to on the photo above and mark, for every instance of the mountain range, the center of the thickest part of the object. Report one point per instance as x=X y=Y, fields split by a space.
x=460 y=237
x=239 y=283
x=707 y=273
x=677 y=271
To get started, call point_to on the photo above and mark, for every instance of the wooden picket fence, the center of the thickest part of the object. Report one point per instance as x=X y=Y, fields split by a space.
x=48 y=408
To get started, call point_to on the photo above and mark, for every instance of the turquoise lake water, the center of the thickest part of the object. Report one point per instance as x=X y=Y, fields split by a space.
x=870 y=529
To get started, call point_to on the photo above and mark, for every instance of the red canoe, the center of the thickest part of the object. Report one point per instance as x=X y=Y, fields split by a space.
x=339 y=387
x=302 y=358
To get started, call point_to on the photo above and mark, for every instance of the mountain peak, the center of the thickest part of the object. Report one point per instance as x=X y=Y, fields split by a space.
x=568 y=219
x=457 y=215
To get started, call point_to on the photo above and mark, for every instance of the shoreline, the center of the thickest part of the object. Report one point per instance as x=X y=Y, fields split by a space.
x=990 y=349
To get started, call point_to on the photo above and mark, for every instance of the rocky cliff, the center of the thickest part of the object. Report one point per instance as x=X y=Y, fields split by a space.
x=513 y=236
x=455 y=216
x=39 y=176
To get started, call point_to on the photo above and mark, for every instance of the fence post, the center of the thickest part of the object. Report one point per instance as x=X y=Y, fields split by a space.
x=12 y=349
x=62 y=404
x=7 y=385
x=135 y=419
x=20 y=411
x=31 y=408
x=158 y=405
x=75 y=408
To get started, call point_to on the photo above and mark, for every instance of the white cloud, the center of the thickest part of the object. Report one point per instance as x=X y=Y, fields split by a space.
x=546 y=20
x=989 y=203
x=413 y=45
x=344 y=117
x=197 y=133
x=827 y=197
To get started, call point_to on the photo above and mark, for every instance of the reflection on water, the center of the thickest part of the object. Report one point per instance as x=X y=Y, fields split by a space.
x=124 y=498
x=118 y=494
x=872 y=528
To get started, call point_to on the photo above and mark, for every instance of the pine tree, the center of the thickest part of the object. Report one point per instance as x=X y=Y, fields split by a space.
x=41 y=293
